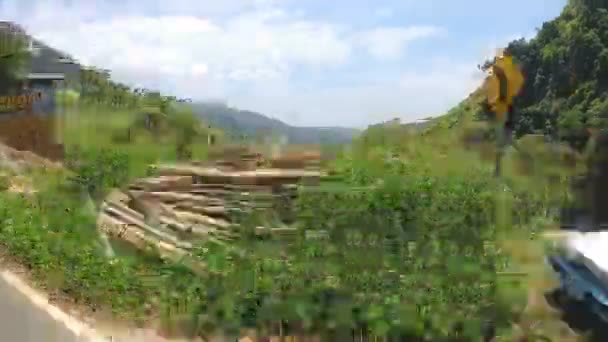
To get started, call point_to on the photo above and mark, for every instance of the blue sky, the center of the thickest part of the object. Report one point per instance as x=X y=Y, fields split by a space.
x=306 y=62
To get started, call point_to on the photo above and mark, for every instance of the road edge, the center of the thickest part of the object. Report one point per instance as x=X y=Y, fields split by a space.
x=39 y=300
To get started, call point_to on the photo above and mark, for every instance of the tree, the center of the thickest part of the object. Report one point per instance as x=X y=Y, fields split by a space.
x=186 y=127
x=566 y=71
x=14 y=56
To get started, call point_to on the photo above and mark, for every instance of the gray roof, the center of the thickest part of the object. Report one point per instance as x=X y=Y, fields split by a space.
x=44 y=59
x=45 y=76
x=49 y=60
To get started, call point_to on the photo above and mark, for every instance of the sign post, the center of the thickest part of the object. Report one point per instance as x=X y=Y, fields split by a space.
x=503 y=84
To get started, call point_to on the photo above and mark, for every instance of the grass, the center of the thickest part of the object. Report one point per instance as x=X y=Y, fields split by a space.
x=93 y=127
x=53 y=235
x=533 y=190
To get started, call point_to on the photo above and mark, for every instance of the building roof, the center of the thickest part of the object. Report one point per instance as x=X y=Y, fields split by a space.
x=49 y=60
x=45 y=76
x=44 y=59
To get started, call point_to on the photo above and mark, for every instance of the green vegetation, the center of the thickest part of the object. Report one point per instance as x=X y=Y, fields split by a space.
x=410 y=255
x=147 y=134
x=109 y=142
x=55 y=237
x=425 y=195
x=53 y=232
x=415 y=254
x=13 y=57
x=402 y=257
x=566 y=68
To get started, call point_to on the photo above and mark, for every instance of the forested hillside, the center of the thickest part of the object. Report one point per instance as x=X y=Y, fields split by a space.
x=566 y=68
x=566 y=72
x=251 y=124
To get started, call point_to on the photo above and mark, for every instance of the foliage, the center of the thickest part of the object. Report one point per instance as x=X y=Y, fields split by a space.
x=67 y=97
x=412 y=231
x=565 y=68
x=13 y=56
x=4 y=182
x=95 y=127
x=186 y=127
x=404 y=255
x=55 y=238
x=97 y=171
x=409 y=254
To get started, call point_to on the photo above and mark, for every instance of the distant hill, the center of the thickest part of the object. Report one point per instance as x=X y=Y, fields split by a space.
x=252 y=123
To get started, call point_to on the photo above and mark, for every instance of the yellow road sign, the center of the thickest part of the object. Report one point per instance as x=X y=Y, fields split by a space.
x=504 y=82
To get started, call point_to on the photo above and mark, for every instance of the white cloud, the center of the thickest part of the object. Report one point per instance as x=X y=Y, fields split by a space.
x=199 y=69
x=264 y=42
x=410 y=96
x=390 y=42
x=256 y=44
x=248 y=56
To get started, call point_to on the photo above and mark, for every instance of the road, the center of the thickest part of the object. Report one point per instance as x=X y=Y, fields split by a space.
x=26 y=316
x=26 y=319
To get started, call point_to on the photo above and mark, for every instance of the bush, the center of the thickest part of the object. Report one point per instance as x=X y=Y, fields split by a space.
x=97 y=171
x=5 y=183
x=56 y=240
x=123 y=136
x=430 y=232
x=408 y=255
x=409 y=252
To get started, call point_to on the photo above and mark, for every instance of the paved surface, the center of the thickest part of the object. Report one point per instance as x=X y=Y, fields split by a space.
x=23 y=321
x=26 y=316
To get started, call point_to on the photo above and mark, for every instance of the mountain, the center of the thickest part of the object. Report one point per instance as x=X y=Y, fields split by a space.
x=252 y=124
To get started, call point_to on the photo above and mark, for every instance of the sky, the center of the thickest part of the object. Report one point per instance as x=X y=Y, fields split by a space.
x=344 y=63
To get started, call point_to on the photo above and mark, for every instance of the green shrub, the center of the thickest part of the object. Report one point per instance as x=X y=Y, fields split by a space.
x=56 y=240
x=97 y=171
x=122 y=137
x=408 y=255
x=5 y=183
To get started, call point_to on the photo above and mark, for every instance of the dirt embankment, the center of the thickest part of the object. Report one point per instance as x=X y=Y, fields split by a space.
x=31 y=133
